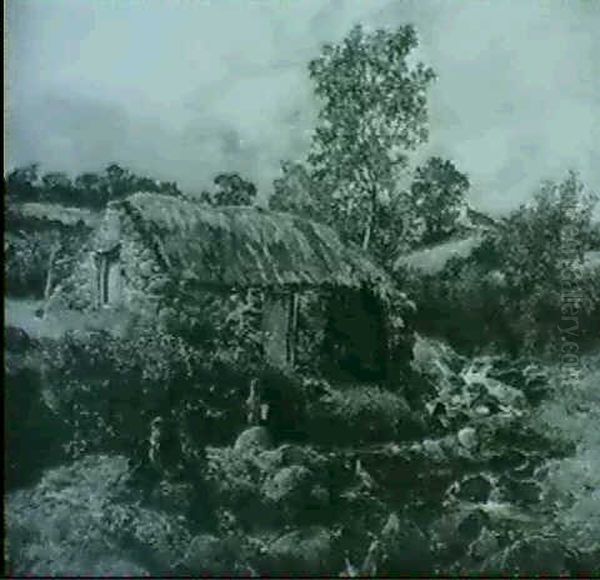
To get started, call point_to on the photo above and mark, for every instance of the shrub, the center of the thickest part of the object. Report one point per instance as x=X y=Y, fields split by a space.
x=86 y=516
x=512 y=290
x=357 y=414
x=35 y=432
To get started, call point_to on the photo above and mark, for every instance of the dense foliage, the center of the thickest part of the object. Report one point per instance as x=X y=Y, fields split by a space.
x=39 y=254
x=373 y=111
x=472 y=491
x=89 y=190
x=438 y=194
x=527 y=284
x=373 y=114
x=230 y=189
x=171 y=448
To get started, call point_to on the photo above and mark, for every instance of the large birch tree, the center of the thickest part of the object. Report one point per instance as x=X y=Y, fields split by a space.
x=373 y=112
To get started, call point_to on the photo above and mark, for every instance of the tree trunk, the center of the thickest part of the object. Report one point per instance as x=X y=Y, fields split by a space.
x=50 y=272
x=369 y=227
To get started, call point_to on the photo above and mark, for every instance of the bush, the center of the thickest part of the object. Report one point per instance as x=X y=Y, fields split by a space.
x=357 y=414
x=110 y=389
x=304 y=551
x=87 y=517
x=512 y=290
x=35 y=432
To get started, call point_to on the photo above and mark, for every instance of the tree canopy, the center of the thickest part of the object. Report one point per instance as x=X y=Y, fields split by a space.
x=373 y=111
x=89 y=189
x=230 y=189
x=438 y=195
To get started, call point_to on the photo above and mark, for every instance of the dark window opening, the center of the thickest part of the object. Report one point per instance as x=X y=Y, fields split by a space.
x=105 y=280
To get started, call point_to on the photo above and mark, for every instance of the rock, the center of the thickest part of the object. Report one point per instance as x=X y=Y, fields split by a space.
x=536 y=555
x=173 y=496
x=320 y=496
x=113 y=567
x=521 y=491
x=253 y=440
x=405 y=548
x=17 y=340
x=288 y=484
x=582 y=563
x=208 y=554
x=482 y=410
x=467 y=437
x=306 y=551
x=433 y=450
x=484 y=546
x=472 y=525
x=391 y=529
x=475 y=488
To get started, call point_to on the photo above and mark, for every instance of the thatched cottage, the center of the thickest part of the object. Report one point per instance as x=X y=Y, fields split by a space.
x=151 y=250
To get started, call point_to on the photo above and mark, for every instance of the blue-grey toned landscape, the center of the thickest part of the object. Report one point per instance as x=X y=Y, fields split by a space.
x=302 y=289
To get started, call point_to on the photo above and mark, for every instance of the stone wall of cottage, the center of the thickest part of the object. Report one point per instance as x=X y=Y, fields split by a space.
x=141 y=281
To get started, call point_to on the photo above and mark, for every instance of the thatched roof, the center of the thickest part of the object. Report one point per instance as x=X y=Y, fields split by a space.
x=50 y=213
x=245 y=246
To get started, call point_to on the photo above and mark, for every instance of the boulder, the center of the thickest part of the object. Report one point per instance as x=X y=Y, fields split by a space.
x=17 y=340
x=522 y=492
x=289 y=484
x=307 y=552
x=253 y=440
x=535 y=555
x=208 y=554
x=405 y=548
x=474 y=488
x=467 y=437
x=484 y=545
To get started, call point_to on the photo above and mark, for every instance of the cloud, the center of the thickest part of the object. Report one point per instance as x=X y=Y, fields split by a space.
x=184 y=90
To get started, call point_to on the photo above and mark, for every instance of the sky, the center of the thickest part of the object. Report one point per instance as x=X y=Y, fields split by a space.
x=184 y=89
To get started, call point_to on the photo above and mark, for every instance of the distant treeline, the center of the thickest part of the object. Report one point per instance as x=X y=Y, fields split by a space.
x=91 y=190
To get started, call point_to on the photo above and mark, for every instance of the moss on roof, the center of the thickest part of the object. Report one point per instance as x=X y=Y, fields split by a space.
x=246 y=246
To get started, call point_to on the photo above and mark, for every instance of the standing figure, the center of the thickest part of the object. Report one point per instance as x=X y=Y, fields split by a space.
x=253 y=404
x=164 y=449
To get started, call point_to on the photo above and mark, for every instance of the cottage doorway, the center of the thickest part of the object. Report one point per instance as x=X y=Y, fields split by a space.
x=108 y=276
x=354 y=347
x=279 y=323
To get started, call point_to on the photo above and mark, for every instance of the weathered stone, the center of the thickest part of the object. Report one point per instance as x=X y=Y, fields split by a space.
x=17 y=340
x=471 y=525
x=305 y=551
x=467 y=437
x=484 y=545
x=253 y=440
x=521 y=491
x=536 y=555
x=288 y=484
x=475 y=488
x=208 y=554
x=433 y=450
x=404 y=546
